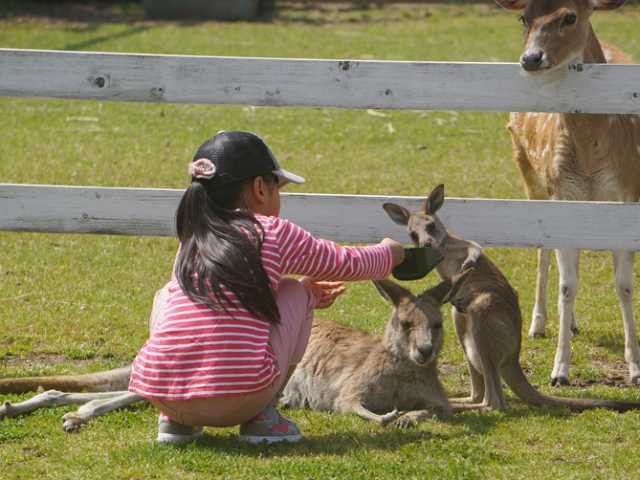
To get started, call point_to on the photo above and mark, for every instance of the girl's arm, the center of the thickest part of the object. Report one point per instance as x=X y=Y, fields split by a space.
x=302 y=254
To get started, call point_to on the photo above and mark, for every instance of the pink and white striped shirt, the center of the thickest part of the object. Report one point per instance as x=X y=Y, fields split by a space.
x=201 y=352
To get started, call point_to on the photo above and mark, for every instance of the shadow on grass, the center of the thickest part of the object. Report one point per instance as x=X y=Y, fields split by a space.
x=131 y=11
x=104 y=38
x=347 y=442
x=614 y=342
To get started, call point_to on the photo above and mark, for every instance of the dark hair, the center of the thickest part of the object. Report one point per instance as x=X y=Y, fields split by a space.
x=221 y=247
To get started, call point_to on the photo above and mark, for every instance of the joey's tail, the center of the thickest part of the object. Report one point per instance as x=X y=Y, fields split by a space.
x=517 y=381
x=107 y=381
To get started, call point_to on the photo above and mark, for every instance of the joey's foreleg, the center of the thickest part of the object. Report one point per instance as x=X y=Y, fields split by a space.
x=473 y=254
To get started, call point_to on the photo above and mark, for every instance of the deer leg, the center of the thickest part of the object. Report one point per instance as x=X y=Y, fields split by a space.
x=51 y=398
x=73 y=420
x=568 y=261
x=623 y=267
x=539 y=315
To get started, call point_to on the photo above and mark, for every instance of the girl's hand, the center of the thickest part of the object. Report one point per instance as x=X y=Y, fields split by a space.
x=397 y=250
x=325 y=292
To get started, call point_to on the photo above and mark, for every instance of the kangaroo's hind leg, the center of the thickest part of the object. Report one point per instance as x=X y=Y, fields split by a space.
x=473 y=360
x=52 y=398
x=485 y=361
x=96 y=407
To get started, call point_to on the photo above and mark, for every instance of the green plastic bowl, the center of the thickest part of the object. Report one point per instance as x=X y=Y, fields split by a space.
x=418 y=262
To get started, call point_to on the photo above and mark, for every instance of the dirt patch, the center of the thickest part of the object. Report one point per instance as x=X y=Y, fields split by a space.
x=82 y=12
x=614 y=374
x=39 y=361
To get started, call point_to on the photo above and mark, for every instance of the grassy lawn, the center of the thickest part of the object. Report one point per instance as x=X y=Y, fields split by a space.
x=72 y=303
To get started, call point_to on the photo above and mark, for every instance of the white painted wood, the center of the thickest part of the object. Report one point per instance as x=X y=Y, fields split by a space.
x=333 y=83
x=344 y=218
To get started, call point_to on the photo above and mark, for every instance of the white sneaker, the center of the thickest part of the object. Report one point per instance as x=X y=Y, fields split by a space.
x=176 y=433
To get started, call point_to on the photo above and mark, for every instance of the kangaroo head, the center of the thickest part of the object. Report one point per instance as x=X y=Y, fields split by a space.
x=556 y=32
x=414 y=330
x=425 y=228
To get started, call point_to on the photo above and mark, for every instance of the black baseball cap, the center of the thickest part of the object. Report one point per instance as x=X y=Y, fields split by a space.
x=239 y=155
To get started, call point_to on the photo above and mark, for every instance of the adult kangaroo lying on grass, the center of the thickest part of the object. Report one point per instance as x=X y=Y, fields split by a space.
x=486 y=313
x=381 y=379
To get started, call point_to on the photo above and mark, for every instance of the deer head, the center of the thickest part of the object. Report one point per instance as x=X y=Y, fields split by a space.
x=425 y=228
x=556 y=32
x=415 y=328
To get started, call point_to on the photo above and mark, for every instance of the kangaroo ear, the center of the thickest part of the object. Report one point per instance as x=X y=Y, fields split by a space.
x=512 y=4
x=607 y=4
x=391 y=291
x=435 y=200
x=398 y=214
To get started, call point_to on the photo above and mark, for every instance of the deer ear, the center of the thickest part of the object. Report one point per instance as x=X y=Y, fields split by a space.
x=607 y=4
x=512 y=4
x=391 y=291
x=398 y=214
x=435 y=200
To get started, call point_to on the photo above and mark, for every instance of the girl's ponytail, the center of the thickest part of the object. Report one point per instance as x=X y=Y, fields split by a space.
x=220 y=250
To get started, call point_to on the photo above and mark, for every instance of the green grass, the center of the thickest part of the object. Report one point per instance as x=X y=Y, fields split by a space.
x=72 y=303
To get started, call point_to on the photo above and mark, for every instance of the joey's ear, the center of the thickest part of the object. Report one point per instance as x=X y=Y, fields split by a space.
x=435 y=200
x=607 y=4
x=512 y=4
x=398 y=214
x=391 y=291
x=446 y=290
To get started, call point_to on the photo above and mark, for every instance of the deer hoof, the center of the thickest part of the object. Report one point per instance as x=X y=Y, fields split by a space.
x=559 y=381
x=633 y=381
x=537 y=335
x=575 y=330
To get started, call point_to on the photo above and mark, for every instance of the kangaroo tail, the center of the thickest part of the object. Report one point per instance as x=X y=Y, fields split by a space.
x=517 y=381
x=107 y=381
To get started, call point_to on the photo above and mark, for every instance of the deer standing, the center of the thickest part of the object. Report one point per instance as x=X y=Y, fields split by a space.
x=568 y=156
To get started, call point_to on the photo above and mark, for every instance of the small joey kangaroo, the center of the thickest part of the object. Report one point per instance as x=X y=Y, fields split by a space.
x=393 y=378
x=486 y=313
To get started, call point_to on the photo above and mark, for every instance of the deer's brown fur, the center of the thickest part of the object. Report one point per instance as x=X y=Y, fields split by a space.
x=573 y=156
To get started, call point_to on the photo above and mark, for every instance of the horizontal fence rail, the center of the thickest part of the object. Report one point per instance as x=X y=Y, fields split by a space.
x=589 y=88
x=344 y=218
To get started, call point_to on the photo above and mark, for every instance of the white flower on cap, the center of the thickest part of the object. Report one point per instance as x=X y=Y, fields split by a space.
x=202 y=168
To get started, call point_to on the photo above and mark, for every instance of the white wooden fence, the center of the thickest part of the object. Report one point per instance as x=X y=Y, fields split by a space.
x=333 y=83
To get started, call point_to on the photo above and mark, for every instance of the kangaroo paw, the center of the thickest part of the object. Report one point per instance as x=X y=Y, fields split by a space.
x=559 y=381
x=72 y=422
x=389 y=417
x=405 y=421
x=6 y=410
